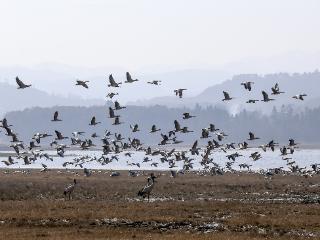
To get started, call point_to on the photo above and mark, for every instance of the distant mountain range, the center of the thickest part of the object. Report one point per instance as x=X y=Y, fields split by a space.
x=12 y=99
x=291 y=84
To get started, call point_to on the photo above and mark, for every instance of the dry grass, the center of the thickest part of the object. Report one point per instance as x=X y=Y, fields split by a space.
x=246 y=206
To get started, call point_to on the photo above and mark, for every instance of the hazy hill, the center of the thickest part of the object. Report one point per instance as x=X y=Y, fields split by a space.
x=12 y=99
x=291 y=84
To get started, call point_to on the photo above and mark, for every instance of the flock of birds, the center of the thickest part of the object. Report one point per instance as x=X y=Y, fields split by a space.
x=114 y=143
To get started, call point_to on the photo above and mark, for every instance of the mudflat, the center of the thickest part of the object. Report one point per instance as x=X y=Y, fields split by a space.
x=190 y=206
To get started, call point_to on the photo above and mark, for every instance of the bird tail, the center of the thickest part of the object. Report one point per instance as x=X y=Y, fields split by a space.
x=140 y=193
x=65 y=193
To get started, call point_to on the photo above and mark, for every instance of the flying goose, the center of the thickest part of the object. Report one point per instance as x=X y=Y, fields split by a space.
x=212 y=128
x=255 y=156
x=252 y=137
x=56 y=117
x=226 y=96
x=187 y=115
x=195 y=150
x=93 y=121
x=177 y=126
x=300 y=96
x=129 y=78
x=111 y=113
x=134 y=128
x=146 y=190
x=21 y=85
x=179 y=92
x=155 y=82
x=117 y=106
x=247 y=85
x=111 y=95
x=266 y=97
x=112 y=82
x=59 y=136
x=82 y=83
x=252 y=101
x=69 y=189
x=154 y=129
x=275 y=90
x=117 y=121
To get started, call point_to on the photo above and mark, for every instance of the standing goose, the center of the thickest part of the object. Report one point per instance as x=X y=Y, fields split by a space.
x=69 y=189
x=56 y=117
x=21 y=85
x=129 y=78
x=146 y=190
x=112 y=82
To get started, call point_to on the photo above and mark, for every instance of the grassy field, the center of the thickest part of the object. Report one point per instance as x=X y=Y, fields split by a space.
x=232 y=206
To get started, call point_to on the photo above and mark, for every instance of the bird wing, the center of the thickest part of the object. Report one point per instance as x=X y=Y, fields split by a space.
x=265 y=95
x=111 y=80
x=177 y=125
x=19 y=82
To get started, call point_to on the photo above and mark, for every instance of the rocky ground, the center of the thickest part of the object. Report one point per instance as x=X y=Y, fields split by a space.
x=191 y=206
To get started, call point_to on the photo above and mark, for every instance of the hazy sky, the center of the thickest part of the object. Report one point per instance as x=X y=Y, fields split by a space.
x=147 y=33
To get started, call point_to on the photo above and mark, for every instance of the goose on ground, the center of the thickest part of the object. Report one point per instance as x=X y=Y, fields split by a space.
x=146 y=190
x=69 y=189
x=21 y=85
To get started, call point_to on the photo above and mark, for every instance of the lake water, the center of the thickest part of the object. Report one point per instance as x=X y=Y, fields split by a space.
x=302 y=157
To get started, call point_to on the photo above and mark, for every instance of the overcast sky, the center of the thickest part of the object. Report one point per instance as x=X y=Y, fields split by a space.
x=144 y=34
